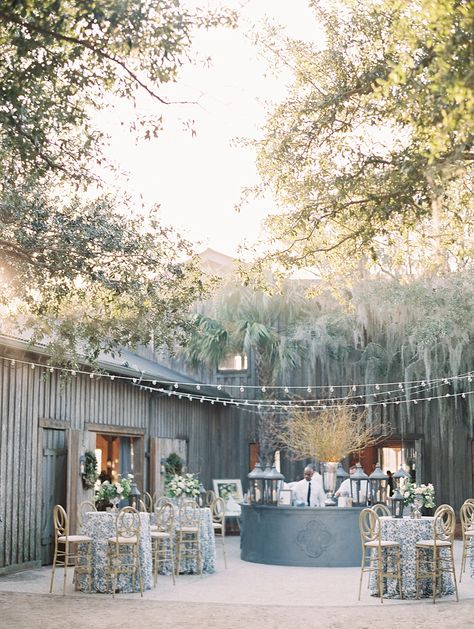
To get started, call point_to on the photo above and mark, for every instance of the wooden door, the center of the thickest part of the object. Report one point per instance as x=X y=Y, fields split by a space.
x=54 y=486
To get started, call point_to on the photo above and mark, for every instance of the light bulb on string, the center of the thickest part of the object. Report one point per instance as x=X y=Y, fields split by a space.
x=242 y=389
x=198 y=387
x=175 y=385
x=219 y=387
x=32 y=366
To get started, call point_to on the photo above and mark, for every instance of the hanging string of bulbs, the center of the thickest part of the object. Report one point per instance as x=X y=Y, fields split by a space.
x=365 y=395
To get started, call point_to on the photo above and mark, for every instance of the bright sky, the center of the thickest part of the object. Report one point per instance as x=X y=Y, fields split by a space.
x=197 y=180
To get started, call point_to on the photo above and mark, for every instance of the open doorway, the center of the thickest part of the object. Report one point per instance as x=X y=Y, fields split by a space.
x=116 y=455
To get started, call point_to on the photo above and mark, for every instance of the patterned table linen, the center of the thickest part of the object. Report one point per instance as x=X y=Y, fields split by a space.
x=208 y=547
x=100 y=525
x=407 y=532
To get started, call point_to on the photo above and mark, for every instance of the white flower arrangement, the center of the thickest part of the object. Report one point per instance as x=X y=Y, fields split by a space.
x=187 y=485
x=120 y=489
x=424 y=493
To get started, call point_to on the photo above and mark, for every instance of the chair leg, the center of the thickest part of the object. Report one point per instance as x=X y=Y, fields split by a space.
x=54 y=567
x=399 y=572
x=139 y=569
x=463 y=559
x=435 y=573
x=454 y=573
x=379 y=574
x=361 y=571
x=66 y=561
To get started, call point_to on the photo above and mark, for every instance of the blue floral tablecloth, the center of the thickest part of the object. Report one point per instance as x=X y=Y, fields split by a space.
x=100 y=525
x=407 y=532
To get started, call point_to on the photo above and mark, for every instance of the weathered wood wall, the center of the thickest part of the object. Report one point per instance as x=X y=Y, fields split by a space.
x=33 y=400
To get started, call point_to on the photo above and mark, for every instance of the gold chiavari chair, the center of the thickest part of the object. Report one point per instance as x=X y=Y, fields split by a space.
x=209 y=498
x=467 y=526
x=188 y=543
x=162 y=539
x=84 y=507
x=66 y=549
x=123 y=548
x=434 y=557
x=381 y=509
x=148 y=501
x=378 y=553
x=218 y=523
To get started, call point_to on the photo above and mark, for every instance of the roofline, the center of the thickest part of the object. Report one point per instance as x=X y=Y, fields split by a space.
x=15 y=342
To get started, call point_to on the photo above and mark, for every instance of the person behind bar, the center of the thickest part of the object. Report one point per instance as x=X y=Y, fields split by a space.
x=310 y=489
x=348 y=488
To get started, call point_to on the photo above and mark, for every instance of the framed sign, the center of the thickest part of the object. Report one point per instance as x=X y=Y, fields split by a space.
x=285 y=498
x=230 y=489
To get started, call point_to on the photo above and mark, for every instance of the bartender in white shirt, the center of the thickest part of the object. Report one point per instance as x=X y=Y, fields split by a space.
x=310 y=489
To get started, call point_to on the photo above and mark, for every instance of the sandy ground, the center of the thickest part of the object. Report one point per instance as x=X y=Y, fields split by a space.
x=243 y=595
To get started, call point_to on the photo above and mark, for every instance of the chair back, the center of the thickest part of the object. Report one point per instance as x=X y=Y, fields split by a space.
x=160 y=501
x=369 y=526
x=444 y=524
x=84 y=507
x=467 y=516
x=209 y=498
x=148 y=501
x=189 y=514
x=127 y=523
x=218 y=510
x=61 y=521
x=440 y=508
x=142 y=506
x=381 y=509
x=165 y=517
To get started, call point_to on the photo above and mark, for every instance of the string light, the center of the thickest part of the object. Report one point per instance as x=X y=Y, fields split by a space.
x=285 y=405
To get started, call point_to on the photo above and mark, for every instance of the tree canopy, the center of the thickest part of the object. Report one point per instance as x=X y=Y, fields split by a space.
x=371 y=153
x=61 y=58
x=81 y=265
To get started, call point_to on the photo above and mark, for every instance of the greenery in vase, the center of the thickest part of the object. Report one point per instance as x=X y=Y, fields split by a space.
x=187 y=485
x=106 y=490
x=423 y=493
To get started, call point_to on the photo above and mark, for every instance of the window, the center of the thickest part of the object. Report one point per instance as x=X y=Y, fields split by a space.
x=234 y=362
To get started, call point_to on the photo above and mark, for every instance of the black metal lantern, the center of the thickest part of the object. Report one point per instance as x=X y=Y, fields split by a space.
x=378 y=485
x=341 y=475
x=256 y=485
x=359 y=487
x=273 y=482
x=397 y=504
x=399 y=476
x=134 y=497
